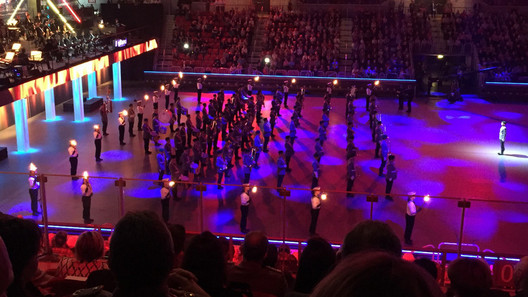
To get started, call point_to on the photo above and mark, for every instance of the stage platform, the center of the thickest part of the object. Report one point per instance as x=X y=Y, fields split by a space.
x=442 y=149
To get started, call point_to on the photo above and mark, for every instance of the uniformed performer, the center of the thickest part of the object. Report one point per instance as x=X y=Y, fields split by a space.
x=316 y=206
x=316 y=173
x=257 y=146
x=97 y=140
x=147 y=134
x=384 y=154
x=288 y=148
x=221 y=167
x=131 y=118
x=248 y=163
x=250 y=87
x=199 y=87
x=34 y=186
x=72 y=151
x=155 y=101
x=286 y=90
x=245 y=200
x=104 y=117
x=502 y=136
x=392 y=174
x=267 y=133
x=175 y=87
x=367 y=97
x=281 y=169
x=122 y=124
x=410 y=215
x=351 y=173
x=165 y=193
x=167 y=92
x=87 y=193
x=139 y=111
x=160 y=158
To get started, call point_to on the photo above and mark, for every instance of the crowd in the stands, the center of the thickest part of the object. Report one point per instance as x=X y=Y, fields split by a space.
x=219 y=39
x=145 y=257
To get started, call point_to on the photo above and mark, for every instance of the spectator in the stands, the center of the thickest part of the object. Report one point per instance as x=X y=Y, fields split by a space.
x=205 y=259
x=374 y=274
x=178 y=240
x=371 y=235
x=141 y=255
x=316 y=261
x=271 y=256
x=520 y=278
x=428 y=265
x=59 y=245
x=22 y=239
x=89 y=250
x=471 y=278
x=260 y=278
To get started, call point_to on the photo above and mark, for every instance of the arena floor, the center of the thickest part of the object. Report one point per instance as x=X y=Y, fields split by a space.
x=442 y=149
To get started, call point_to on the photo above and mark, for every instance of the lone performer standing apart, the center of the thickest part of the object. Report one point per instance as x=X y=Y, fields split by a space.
x=502 y=136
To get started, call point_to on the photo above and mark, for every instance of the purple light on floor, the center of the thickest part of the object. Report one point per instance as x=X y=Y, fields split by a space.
x=116 y=156
x=422 y=186
x=143 y=189
x=513 y=186
x=222 y=217
x=331 y=161
x=431 y=165
x=24 y=209
x=507 y=115
x=457 y=162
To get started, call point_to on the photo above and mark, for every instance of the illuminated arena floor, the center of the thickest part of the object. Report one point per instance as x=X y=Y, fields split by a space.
x=442 y=149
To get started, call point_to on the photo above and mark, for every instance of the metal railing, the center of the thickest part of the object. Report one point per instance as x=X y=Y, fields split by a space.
x=205 y=208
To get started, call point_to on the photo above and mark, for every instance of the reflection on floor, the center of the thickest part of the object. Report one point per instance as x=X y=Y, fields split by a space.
x=442 y=149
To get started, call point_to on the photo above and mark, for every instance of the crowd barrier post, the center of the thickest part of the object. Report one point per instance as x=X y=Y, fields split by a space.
x=284 y=193
x=201 y=188
x=372 y=198
x=121 y=199
x=462 y=204
x=42 y=179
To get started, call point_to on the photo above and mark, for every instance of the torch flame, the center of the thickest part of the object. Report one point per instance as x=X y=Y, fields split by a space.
x=32 y=167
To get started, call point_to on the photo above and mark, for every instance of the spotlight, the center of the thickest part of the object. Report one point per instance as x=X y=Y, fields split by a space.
x=32 y=167
x=72 y=12
x=257 y=78
x=267 y=60
x=293 y=80
x=427 y=198
x=146 y=97
x=440 y=57
x=335 y=82
x=11 y=21
x=376 y=83
x=180 y=74
x=324 y=196
x=186 y=45
x=85 y=175
x=254 y=189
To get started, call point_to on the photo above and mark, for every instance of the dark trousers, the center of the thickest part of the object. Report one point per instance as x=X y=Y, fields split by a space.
x=409 y=105
x=161 y=172
x=400 y=103
x=279 y=180
x=288 y=159
x=175 y=94
x=33 y=193
x=155 y=104
x=246 y=177
x=285 y=99
x=378 y=147
x=165 y=209
x=388 y=188
x=244 y=209
x=131 y=128
x=315 y=182
x=367 y=101
x=146 y=144
x=313 y=223
x=73 y=165
x=382 y=166
x=140 y=121
x=189 y=139
x=199 y=95
x=105 y=126
x=350 y=185
x=220 y=176
x=86 y=203
x=409 y=225
x=167 y=98
x=121 y=133
x=502 y=147
x=266 y=141
x=97 y=149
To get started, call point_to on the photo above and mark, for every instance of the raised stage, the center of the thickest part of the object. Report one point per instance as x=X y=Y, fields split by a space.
x=445 y=150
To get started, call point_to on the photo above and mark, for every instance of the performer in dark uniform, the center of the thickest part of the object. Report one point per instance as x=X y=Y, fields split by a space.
x=87 y=193
x=131 y=119
x=288 y=147
x=351 y=173
x=245 y=200
x=165 y=193
x=104 y=117
x=139 y=111
x=392 y=174
x=97 y=140
x=410 y=215
x=72 y=151
x=281 y=169
x=221 y=167
x=316 y=207
x=147 y=134
x=199 y=87
x=34 y=186
x=502 y=136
